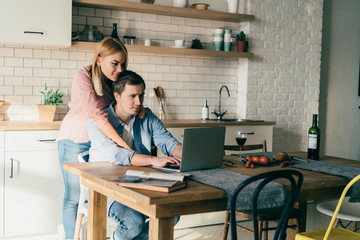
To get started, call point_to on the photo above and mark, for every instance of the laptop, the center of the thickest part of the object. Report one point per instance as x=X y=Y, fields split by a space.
x=203 y=148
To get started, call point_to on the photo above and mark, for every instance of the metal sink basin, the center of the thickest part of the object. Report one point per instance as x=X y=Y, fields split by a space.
x=236 y=120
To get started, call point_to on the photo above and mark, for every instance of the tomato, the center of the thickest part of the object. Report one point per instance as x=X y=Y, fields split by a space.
x=252 y=165
x=255 y=159
x=248 y=158
x=264 y=159
x=247 y=165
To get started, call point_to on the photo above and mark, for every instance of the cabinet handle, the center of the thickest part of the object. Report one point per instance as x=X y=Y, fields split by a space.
x=47 y=140
x=11 y=168
x=31 y=32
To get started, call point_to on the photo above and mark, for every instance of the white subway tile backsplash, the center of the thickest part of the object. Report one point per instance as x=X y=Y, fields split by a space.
x=85 y=11
x=20 y=52
x=6 y=52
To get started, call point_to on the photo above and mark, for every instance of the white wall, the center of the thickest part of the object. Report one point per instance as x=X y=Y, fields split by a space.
x=339 y=100
x=280 y=84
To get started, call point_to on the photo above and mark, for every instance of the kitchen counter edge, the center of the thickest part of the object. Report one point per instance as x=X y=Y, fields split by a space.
x=31 y=125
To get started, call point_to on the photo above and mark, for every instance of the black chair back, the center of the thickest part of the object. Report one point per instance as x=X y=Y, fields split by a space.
x=267 y=178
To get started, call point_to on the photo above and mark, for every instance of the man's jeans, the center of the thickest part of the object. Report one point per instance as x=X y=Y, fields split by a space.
x=130 y=223
x=68 y=153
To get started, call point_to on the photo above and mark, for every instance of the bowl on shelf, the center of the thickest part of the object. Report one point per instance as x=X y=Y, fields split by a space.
x=201 y=6
x=147 y=1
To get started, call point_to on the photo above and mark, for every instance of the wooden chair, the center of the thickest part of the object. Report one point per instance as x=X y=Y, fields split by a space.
x=293 y=176
x=334 y=233
x=265 y=215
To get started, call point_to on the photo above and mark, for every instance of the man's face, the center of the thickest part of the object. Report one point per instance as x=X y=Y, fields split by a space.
x=130 y=100
x=112 y=65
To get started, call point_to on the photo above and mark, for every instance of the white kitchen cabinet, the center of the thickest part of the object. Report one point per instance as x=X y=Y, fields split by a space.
x=33 y=185
x=40 y=22
x=2 y=152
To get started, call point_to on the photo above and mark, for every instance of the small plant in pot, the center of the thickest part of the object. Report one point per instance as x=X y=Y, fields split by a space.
x=241 y=42
x=46 y=112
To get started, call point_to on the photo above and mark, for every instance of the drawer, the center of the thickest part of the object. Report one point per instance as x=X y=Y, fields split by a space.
x=31 y=140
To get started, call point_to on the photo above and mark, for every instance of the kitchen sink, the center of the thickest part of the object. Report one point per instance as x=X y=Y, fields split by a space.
x=236 y=120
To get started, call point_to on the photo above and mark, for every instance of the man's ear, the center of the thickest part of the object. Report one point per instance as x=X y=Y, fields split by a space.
x=117 y=96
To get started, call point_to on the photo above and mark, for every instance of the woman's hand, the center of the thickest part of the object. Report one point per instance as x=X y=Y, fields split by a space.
x=141 y=113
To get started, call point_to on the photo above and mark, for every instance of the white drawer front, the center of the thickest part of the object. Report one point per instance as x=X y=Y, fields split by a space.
x=30 y=140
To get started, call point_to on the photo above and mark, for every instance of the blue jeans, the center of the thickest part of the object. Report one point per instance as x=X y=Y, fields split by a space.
x=68 y=153
x=130 y=223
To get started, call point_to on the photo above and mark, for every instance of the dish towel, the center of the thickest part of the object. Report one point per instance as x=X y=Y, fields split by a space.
x=272 y=195
x=326 y=168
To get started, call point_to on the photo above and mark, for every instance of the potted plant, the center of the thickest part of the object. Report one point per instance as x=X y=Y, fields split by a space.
x=46 y=112
x=241 y=42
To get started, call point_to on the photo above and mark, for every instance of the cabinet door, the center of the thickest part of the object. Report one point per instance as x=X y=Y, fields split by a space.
x=23 y=21
x=33 y=192
x=2 y=147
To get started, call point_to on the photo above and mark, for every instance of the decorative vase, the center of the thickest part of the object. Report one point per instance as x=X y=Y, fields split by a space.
x=44 y=113
x=242 y=46
x=233 y=6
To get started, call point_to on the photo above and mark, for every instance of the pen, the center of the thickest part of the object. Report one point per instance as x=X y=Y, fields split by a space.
x=300 y=159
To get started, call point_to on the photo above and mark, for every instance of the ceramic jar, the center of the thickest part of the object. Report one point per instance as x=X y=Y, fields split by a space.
x=180 y=3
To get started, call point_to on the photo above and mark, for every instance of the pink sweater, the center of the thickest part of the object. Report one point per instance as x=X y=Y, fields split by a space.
x=84 y=105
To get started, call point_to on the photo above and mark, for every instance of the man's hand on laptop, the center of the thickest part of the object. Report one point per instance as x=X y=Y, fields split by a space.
x=164 y=161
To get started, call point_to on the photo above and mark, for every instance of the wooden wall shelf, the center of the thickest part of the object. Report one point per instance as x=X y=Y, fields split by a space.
x=164 y=10
x=169 y=50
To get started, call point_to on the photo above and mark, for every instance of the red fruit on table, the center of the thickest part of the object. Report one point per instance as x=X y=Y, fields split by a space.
x=264 y=159
x=255 y=159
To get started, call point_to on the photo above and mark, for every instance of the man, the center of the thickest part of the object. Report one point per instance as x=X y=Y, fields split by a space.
x=138 y=134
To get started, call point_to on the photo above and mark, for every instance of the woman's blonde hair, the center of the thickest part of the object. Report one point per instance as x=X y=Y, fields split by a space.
x=108 y=46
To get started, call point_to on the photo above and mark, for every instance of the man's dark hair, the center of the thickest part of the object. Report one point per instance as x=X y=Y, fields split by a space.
x=127 y=77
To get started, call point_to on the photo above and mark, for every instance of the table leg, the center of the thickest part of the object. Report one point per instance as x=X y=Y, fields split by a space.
x=96 y=226
x=302 y=206
x=161 y=228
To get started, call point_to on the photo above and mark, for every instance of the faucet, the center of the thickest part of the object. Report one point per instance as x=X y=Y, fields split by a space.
x=220 y=114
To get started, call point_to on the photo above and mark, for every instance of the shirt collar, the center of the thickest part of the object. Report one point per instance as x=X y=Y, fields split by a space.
x=114 y=119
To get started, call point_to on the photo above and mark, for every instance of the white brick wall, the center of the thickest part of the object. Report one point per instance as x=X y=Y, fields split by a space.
x=281 y=83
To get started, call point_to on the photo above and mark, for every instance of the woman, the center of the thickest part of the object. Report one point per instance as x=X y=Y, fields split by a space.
x=90 y=93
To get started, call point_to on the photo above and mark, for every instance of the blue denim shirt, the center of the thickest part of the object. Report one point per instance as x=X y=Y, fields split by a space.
x=146 y=130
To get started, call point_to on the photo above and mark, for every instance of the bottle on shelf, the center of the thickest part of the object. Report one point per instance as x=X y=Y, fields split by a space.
x=314 y=140
x=205 y=111
x=114 y=33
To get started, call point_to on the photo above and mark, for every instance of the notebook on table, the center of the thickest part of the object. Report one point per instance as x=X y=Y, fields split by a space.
x=202 y=148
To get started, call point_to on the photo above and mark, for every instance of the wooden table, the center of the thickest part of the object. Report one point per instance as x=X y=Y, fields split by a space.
x=196 y=198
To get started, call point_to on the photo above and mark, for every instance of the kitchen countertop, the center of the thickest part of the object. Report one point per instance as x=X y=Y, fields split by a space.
x=31 y=125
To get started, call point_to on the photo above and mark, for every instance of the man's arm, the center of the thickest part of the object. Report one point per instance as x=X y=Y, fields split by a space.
x=146 y=160
x=177 y=151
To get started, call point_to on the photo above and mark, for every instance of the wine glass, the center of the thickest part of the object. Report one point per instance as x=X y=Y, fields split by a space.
x=241 y=139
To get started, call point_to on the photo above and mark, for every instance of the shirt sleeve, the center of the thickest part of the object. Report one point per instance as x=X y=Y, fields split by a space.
x=90 y=103
x=163 y=139
x=104 y=149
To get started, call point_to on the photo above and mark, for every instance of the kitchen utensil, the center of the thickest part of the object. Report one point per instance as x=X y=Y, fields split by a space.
x=159 y=101
x=160 y=94
x=201 y=6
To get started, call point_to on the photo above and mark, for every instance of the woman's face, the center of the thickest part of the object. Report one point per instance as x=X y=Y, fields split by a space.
x=112 y=65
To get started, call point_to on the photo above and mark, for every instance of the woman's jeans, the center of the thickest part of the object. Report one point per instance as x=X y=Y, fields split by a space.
x=130 y=223
x=68 y=153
